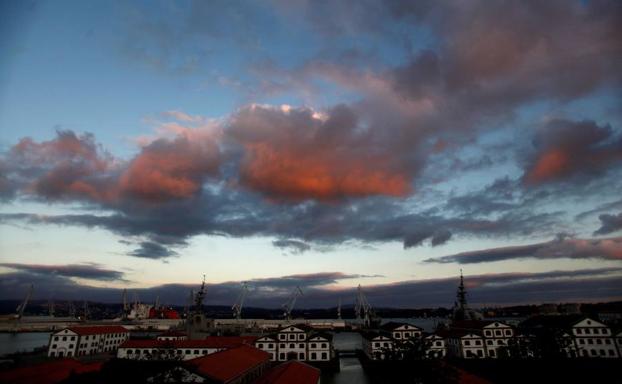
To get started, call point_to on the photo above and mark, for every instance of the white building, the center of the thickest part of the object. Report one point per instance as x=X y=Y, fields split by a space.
x=150 y=349
x=320 y=347
x=297 y=342
x=292 y=343
x=402 y=331
x=618 y=338
x=464 y=344
x=594 y=339
x=496 y=334
x=437 y=347
x=172 y=335
x=377 y=345
x=86 y=340
x=268 y=344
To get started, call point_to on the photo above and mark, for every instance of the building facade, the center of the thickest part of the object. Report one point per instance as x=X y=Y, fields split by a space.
x=436 y=347
x=86 y=340
x=297 y=342
x=378 y=345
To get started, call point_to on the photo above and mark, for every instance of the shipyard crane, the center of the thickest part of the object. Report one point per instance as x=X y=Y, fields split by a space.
x=239 y=303
x=51 y=307
x=72 y=310
x=189 y=304
x=363 y=309
x=289 y=305
x=339 y=309
x=86 y=310
x=20 y=308
x=126 y=306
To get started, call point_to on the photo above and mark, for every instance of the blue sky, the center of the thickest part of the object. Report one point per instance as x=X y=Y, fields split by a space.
x=388 y=144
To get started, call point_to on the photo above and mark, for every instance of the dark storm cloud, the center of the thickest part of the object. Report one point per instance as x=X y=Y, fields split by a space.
x=562 y=247
x=83 y=271
x=509 y=288
x=609 y=224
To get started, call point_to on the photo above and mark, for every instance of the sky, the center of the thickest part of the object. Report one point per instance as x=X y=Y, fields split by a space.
x=320 y=144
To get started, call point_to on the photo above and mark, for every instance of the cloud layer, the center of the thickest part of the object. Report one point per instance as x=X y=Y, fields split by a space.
x=487 y=289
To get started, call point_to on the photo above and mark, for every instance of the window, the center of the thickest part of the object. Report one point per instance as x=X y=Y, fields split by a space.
x=281 y=356
x=602 y=352
x=281 y=345
x=590 y=341
x=480 y=353
x=64 y=338
x=301 y=337
x=324 y=356
x=260 y=346
x=611 y=353
x=292 y=337
x=579 y=331
x=301 y=345
x=55 y=338
x=313 y=345
x=488 y=333
x=187 y=351
x=70 y=346
x=599 y=341
x=508 y=332
x=282 y=337
x=607 y=341
x=130 y=352
x=492 y=353
x=587 y=331
x=270 y=345
x=179 y=351
x=498 y=332
x=323 y=345
x=301 y=356
x=581 y=341
x=489 y=342
x=467 y=342
x=407 y=334
x=72 y=338
x=385 y=344
x=53 y=346
x=438 y=343
x=196 y=351
x=397 y=335
x=478 y=342
x=313 y=356
x=593 y=352
x=292 y=345
x=377 y=345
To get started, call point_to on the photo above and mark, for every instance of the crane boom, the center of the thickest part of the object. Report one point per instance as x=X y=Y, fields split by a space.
x=20 y=308
x=289 y=305
x=239 y=303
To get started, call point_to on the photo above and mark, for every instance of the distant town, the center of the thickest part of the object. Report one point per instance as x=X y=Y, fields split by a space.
x=96 y=342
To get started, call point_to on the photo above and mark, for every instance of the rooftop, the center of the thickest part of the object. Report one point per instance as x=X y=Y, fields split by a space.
x=50 y=372
x=98 y=329
x=291 y=372
x=230 y=364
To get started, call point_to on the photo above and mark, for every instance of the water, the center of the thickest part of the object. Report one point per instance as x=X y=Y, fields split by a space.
x=22 y=342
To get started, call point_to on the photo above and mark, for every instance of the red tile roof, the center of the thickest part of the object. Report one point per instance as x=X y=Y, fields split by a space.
x=98 y=329
x=218 y=342
x=50 y=372
x=292 y=372
x=229 y=365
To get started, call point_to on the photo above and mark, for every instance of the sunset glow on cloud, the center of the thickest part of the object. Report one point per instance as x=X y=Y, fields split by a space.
x=387 y=146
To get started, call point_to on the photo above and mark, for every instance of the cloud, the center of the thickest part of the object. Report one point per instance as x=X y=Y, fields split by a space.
x=151 y=250
x=170 y=169
x=609 y=224
x=562 y=247
x=82 y=271
x=292 y=153
x=566 y=148
x=294 y=246
x=505 y=288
